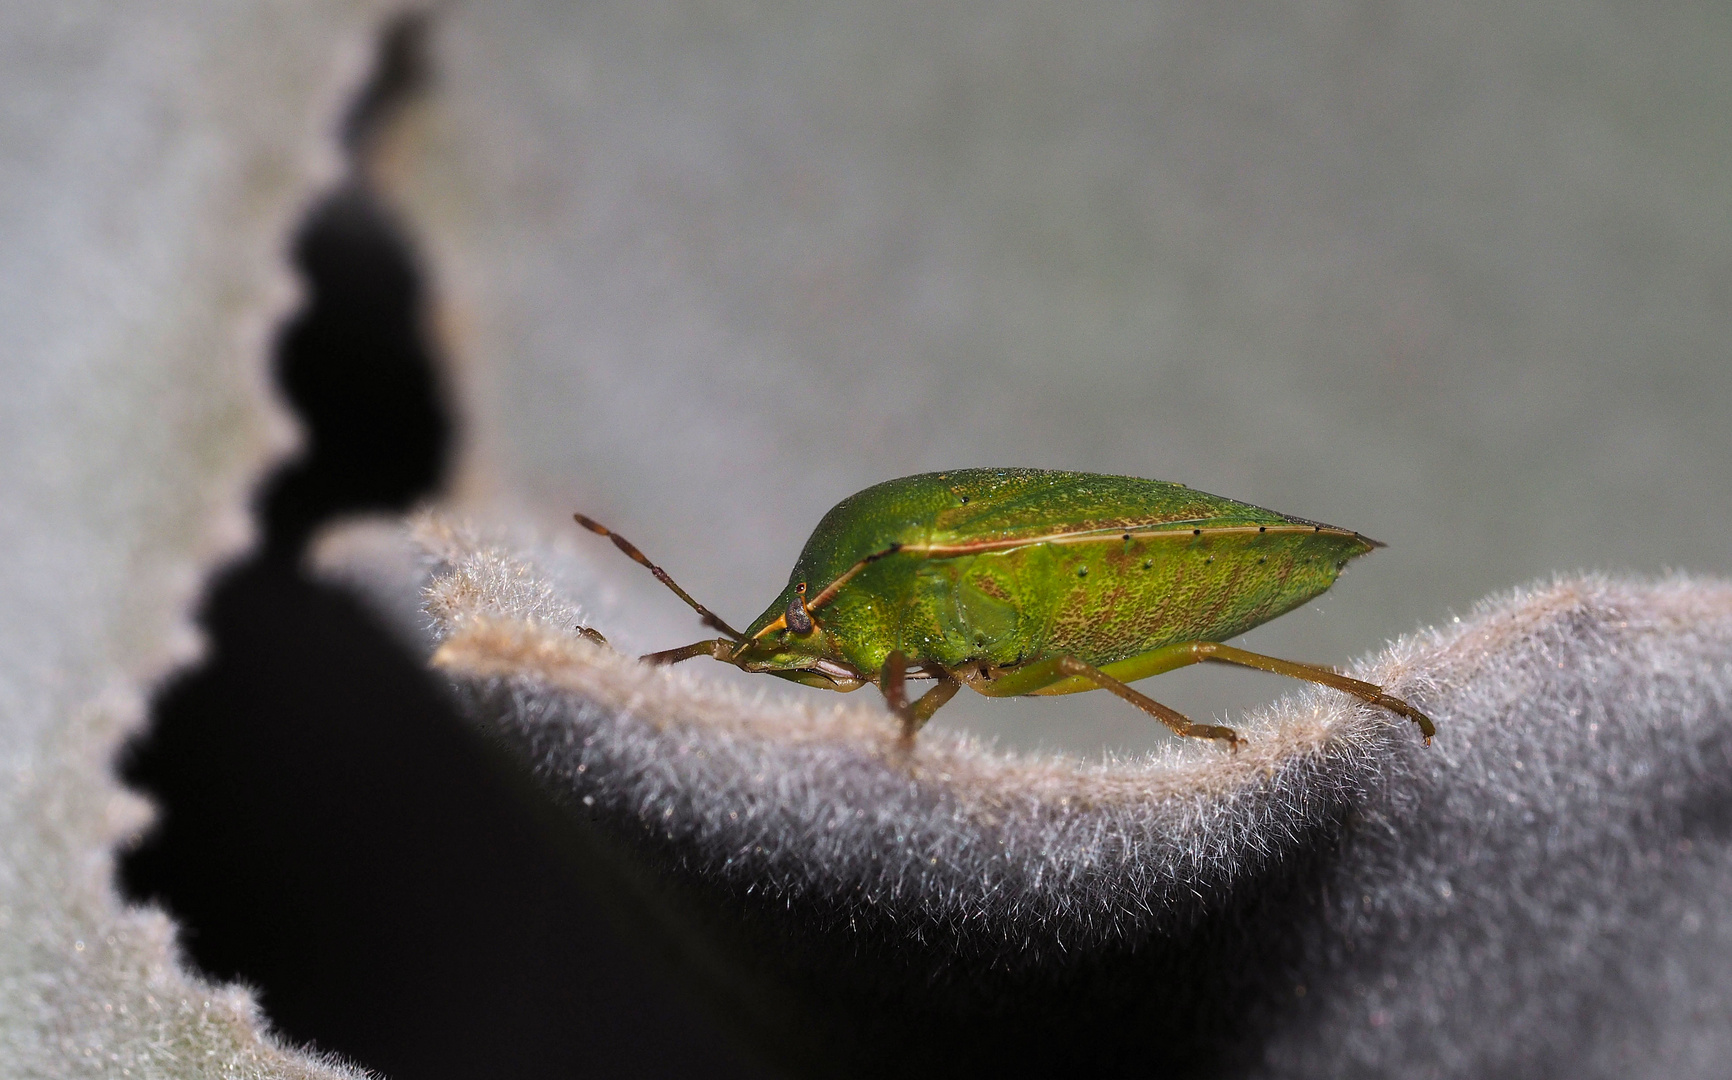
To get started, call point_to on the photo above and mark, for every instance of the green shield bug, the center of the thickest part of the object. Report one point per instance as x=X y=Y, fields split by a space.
x=1026 y=581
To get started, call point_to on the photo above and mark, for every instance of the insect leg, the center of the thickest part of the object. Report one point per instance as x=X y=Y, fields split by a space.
x=592 y=635
x=929 y=702
x=1184 y=653
x=720 y=648
x=1364 y=691
x=1071 y=667
x=894 y=682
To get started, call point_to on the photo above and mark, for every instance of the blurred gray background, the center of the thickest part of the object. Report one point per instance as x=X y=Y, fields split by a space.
x=1457 y=275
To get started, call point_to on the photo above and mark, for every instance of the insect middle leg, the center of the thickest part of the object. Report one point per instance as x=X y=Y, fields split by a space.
x=894 y=682
x=1067 y=674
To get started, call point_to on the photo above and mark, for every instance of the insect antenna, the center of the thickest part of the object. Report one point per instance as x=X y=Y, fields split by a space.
x=829 y=592
x=709 y=617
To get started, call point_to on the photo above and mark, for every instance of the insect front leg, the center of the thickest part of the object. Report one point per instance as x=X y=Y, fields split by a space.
x=894 y=682
x=720 y=648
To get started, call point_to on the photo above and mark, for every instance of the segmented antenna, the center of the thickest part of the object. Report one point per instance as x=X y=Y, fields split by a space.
x=835 y=587
x=710 y=618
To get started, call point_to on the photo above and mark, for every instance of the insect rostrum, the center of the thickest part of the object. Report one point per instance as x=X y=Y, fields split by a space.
x=1028 y=581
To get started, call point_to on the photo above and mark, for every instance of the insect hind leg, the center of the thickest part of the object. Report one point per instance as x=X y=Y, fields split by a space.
x=1169 y=657
x=1364 y=691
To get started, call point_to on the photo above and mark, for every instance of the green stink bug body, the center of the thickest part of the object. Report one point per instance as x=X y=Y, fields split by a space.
x=1026 y=581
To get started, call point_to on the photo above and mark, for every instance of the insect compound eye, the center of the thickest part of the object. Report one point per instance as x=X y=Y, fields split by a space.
x=797 y=618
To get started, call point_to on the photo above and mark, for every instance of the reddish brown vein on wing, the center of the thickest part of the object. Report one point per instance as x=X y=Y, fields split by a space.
x=1169 y=530
x=1093 y=536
